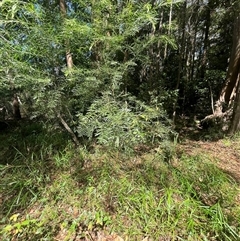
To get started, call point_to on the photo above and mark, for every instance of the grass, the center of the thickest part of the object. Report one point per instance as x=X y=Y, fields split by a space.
x=53 y=191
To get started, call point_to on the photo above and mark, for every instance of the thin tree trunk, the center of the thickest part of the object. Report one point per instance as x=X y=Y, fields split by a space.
x=16 y=108
x=181 y=57
x=160 y=63
x=169 y=28
x=66 y=126
x=193 y=41
x=69 y=62
x=69 y=59
x=206 y=41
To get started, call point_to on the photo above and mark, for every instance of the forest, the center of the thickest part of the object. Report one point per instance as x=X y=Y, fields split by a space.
x=120 y=120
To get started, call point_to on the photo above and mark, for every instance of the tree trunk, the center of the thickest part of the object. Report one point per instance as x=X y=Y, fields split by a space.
x=181 y=57
x=169 y=28
x=69 y=59
x=233 y=77
x=206 y=40
x=229 y=96
x=235 y=123
x=69 y=62
x=16 y=108
x=70 y=131
x=229 y=90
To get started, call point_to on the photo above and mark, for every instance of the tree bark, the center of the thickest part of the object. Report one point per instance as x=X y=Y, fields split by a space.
x=229 y=90
x=234 y=76
x=229 y=96
x=181 y=57
x=16 y=108
x=69 y=62
x=206 y=40
x=67 y=127
x=235 y=123
x=69 y=59
x=169 y=28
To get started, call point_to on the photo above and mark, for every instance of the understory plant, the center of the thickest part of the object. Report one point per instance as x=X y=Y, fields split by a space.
x=123 y=122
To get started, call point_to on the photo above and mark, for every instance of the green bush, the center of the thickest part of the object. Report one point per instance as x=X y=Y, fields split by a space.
x=123 y=123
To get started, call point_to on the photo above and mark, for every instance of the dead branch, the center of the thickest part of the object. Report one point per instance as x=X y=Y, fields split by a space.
x=69 y=130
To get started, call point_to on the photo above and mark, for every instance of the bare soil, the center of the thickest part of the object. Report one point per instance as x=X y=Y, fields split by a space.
x=225 y=154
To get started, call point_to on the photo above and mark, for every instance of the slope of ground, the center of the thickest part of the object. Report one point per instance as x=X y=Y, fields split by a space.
x=224 y=153
x=52 y=191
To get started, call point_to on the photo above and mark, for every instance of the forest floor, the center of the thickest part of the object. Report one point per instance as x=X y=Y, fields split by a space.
x=224 y=153
x=52 y=191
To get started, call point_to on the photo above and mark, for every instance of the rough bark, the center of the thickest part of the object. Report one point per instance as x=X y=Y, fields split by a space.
x=235 y=123
x=235 y=74
x=228 y=92
x=224 y=105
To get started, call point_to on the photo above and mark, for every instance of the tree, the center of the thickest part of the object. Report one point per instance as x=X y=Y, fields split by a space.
x=69 y=59
x=113 y=46
x=228 y=92
x=227 y=105
x=233 y=76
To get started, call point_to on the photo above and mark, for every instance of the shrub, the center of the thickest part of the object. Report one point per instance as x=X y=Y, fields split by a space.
x=123 y=122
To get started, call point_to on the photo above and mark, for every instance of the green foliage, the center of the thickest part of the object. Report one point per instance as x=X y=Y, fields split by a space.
x=105 y=49
x=51 y=188
x=135 y=198
x=123 y=122
x=132 y=61
x=24 y=157
x=19 y=228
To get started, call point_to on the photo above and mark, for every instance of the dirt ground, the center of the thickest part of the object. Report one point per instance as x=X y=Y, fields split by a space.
x=225 y=154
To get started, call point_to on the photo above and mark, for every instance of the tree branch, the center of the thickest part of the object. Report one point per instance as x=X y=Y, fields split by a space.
x=69 y=130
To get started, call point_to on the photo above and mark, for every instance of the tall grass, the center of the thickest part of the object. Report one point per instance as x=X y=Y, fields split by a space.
x=76 y=194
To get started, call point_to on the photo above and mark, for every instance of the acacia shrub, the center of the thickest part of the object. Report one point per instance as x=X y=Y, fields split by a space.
x=123 y=122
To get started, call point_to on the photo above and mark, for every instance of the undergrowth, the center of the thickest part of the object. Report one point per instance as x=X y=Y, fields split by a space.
x=52 y=191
